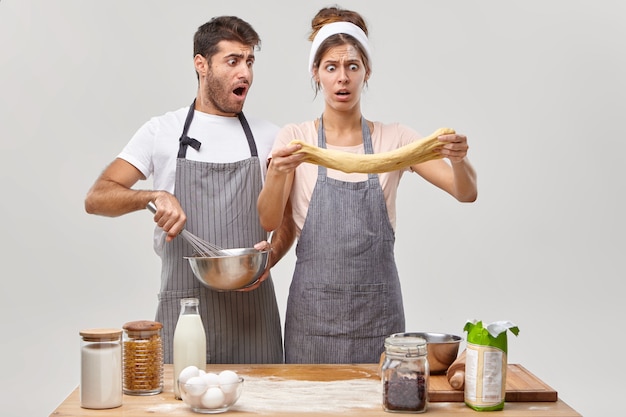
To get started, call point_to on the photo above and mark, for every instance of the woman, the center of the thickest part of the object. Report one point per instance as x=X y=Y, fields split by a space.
x=345 y=295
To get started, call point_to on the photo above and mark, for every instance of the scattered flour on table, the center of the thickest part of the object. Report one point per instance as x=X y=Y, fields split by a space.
x=167 y=407
x=274 y=395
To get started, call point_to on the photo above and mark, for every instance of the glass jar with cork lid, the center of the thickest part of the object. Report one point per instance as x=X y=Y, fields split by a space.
x=143 y=358
x=405 y=374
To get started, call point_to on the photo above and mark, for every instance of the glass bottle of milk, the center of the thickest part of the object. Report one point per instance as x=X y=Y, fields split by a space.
x=189 y=340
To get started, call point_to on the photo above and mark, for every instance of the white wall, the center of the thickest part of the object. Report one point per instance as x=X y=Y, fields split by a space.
x=537 y=86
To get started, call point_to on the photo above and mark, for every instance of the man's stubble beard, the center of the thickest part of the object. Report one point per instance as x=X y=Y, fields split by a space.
x=218 y=97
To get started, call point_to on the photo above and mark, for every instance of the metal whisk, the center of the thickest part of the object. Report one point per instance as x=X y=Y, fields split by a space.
x=202 y=247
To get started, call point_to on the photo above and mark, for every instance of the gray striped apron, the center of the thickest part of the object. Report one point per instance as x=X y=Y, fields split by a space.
x=220 y=202
x=345 y=295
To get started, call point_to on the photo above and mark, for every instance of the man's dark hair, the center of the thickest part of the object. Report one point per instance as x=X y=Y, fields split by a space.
x=223 y=28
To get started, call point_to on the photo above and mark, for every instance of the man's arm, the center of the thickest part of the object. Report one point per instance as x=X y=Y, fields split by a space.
x=112 y=195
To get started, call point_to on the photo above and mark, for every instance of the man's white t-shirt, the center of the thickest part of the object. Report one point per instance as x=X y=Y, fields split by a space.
x=153 y=149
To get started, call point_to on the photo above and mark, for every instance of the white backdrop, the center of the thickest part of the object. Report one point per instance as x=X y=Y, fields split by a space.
x=538 y=87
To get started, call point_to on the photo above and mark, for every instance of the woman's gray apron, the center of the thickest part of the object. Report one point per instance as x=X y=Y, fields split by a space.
x=220 y=202
x=345 y=295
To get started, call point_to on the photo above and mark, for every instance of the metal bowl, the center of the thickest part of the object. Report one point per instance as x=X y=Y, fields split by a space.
x=236 y=269
x=442 y=349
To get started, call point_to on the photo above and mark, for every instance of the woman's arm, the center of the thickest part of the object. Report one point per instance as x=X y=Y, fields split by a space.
x=458 y=178
x=277 y=188
x=281 y=241
x=283 y=236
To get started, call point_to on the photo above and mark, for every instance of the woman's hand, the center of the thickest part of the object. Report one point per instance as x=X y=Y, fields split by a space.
x=455 y=148
x=285 y=161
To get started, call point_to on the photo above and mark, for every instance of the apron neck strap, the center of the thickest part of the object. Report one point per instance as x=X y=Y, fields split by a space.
x=185 y=140
x=248 y=132
x=367 y=142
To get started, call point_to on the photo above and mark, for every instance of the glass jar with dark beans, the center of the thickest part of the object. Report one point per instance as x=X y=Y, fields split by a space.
x=405 y=375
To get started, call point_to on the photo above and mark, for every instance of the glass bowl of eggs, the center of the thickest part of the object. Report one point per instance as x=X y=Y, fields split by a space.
x=209 y=392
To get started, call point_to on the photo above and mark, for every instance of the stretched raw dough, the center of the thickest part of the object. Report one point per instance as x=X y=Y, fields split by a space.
x=414 y=153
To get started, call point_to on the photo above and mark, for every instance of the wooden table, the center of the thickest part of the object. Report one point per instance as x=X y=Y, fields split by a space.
x=312 y=391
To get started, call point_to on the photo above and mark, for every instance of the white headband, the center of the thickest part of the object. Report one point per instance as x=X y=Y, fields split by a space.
x=334 y=28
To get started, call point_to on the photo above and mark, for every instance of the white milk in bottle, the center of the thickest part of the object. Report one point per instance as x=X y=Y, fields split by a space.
x=189 y=340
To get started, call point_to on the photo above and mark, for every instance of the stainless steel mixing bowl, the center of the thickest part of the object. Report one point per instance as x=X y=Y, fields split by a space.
x=239 y=268
x=442 y=349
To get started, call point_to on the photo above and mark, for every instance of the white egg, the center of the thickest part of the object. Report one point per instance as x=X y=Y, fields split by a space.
x=229 y=397
x=191 y=401
x=187 y=373
x=195 y=386
x=227 y=380
x=211 y=379
x=213 y=398
x=201 y=372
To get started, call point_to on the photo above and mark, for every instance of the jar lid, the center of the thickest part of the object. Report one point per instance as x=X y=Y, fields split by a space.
x=142 y=326
x=95 y=335
x=406 y=345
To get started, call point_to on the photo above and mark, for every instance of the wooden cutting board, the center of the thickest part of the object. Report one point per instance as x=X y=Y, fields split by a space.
x=521 y=386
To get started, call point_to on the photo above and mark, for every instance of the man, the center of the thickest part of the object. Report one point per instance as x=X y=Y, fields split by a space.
x=207 y=174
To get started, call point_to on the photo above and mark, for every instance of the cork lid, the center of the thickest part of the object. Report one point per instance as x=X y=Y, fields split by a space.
x=105 y=334
x=142 y=327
